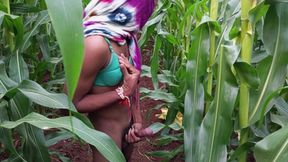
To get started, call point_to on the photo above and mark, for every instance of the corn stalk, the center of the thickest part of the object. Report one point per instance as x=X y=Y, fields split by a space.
x=246 y=54
x=213 y=16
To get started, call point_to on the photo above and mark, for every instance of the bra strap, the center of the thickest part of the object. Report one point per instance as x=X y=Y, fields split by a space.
x=109 y=44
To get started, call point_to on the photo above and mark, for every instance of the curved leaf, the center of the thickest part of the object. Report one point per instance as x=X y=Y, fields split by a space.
x=13 y=24
x=158 y=95
x=6 y=134
x=273 y=148
x=247 y=74
x=272 y=74
x=42 y=18
x=20 y=106
x=101 y=141
x=40 y=96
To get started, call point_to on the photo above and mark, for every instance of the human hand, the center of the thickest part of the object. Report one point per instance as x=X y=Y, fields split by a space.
x=136 y=132
x=131 y=75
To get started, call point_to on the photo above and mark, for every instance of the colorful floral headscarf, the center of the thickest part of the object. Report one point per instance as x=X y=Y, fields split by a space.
x=118 y=20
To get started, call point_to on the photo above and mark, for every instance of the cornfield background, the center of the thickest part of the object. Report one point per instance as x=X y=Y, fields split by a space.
x=223 y=65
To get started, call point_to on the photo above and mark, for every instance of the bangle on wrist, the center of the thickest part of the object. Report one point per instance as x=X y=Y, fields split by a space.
x=124 y=98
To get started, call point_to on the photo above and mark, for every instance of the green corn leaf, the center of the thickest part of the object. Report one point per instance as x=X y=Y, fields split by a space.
x=66 y=16
x=20 y=106
x=18 y=69
x=167 y=139
x=21 y=8
x=6 y=134
x=281 y=105
x=247 y=74
x=272 y=70
x=2 y=14
x=155 y=62
x=149 y=28
x=279 y=119
x=101 y=141
x=242 y=148
x=158 y=95
x=55 y=137
x=156 y=127
x=257 y=13
x=40 y=96
x=167 y=155
x=216 y=128
x=44 y=45
x=13 y=24
x=42 y=18
x=167 y=77
x=276 y=1
x=273 y=148
x=194 y=99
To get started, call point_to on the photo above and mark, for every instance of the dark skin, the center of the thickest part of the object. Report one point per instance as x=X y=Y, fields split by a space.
x=102 y=103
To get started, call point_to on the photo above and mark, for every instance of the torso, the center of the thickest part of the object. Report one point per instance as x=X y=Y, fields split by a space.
x=115 y=112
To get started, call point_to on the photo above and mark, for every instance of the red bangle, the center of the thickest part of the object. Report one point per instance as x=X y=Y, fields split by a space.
x=125 y=99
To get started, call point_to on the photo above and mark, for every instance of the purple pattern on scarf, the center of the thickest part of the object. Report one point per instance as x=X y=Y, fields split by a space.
x=114 y=21
x=144 y=10
x=106 y=1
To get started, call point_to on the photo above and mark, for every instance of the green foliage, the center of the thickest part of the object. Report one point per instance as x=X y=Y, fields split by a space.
x=186 y=30
x=34 y=46
x=70 y=36
x=100 y=140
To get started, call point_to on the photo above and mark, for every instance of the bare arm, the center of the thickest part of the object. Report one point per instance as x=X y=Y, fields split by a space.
x=96 y=54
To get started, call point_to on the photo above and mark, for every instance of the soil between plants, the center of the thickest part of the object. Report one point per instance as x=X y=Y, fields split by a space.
x=79 y=152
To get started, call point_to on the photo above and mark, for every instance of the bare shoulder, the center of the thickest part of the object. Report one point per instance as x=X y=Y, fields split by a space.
x=96 y=45
x=96 y=52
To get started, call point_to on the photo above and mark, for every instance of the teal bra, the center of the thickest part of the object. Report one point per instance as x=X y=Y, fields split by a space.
x=111 y=75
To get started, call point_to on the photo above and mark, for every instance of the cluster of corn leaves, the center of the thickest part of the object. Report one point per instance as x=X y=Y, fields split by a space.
x=30 y=54
x=181 y=61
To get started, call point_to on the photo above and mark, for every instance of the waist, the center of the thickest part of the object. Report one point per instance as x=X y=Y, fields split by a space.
x=114 y=111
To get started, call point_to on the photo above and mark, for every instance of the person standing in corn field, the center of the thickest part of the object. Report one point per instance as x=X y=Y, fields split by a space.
x=108 y=86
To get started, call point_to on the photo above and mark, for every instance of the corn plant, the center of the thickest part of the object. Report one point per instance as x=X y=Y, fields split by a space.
x=33 y=34
x=225 y=69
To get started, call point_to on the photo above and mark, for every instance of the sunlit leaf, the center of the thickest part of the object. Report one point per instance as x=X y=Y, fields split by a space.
x=66 y=17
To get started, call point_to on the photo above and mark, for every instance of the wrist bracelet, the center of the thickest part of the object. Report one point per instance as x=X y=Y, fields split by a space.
x=124 y=98
x=120 y=92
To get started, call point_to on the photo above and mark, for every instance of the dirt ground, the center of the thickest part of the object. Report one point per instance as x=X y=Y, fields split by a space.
x=79 y=152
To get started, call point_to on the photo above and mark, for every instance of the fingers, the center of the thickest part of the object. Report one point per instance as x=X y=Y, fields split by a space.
x=124 y=60
x=123 y=69
x=135 y=135
x=129 y=66
x=131 y=137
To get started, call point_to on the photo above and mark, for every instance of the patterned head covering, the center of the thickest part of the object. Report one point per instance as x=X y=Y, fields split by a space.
x=118 y=20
